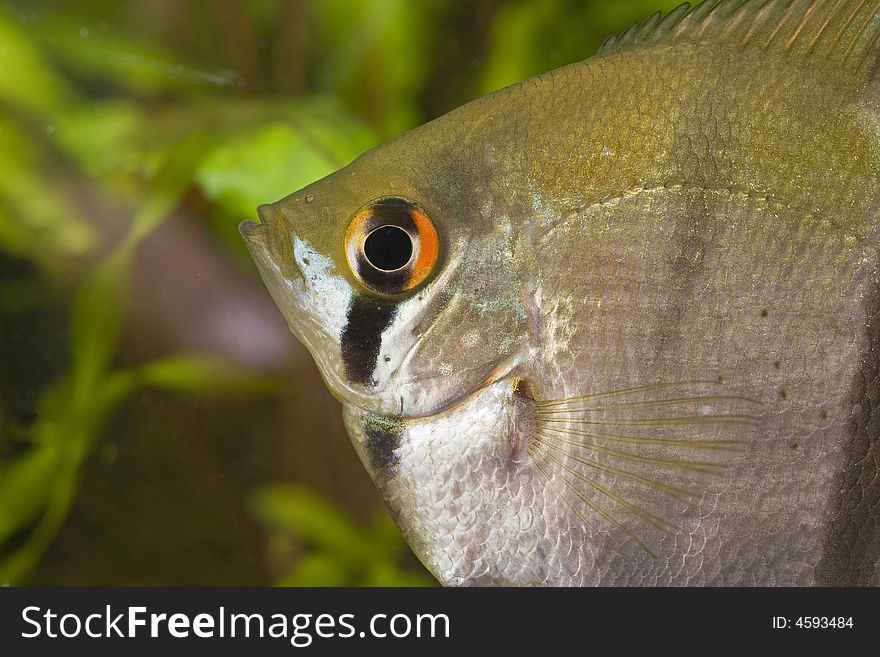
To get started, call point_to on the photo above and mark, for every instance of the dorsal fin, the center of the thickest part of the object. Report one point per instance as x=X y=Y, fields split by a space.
x=846 y=32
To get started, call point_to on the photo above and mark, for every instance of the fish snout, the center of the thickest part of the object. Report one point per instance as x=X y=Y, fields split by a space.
x=257 y=231
x=267 y=213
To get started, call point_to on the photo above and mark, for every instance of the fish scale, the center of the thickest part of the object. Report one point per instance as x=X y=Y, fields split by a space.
x=645 y=351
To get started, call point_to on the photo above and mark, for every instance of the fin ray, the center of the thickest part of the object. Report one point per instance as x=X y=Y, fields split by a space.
x=842 y=33
x=654 y=466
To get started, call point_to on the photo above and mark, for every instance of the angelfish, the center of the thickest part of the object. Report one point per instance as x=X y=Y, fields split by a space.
x=618 y=324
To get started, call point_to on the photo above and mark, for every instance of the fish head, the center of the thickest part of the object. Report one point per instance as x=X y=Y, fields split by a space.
x=405 y=286
x=392 y=275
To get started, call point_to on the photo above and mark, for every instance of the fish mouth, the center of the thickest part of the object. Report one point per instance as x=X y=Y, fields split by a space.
x=259 y=238
x=251 y=230
x=256 y=238
x=255 y=231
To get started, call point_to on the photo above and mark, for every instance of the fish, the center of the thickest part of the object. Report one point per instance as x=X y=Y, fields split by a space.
x=618 y=324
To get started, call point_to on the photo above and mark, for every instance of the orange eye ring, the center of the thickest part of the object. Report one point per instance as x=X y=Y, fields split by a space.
x=391 y=245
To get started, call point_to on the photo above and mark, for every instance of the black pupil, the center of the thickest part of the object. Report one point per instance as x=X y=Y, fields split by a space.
x=388 y=248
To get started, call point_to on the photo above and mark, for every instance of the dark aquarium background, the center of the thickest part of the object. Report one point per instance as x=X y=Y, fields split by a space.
x=159 y=425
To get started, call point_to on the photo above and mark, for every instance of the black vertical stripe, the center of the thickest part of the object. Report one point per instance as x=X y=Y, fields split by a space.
x=362 y=336
x=851 y=554
x=383 y=436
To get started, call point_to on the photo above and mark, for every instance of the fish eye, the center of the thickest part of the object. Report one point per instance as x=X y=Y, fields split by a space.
x=391 y=245
x=388 y=248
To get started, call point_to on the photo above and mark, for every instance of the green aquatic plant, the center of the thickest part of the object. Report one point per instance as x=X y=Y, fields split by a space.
x=38 y=484
x=332 y=550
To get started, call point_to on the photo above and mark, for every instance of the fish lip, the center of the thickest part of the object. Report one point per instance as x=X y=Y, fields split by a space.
x=265 y=215
x=264 y=211
x=256 y=231
x=250 y=228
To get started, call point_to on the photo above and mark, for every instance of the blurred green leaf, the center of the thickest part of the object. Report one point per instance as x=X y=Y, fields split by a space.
x=144 y=68
x=386 y=573
x=385 y=534
x=26 y=81
x=17 y=563
x=336 y=132
x=304 y=512
x=105 y=138
x=339 y=552
x=97 y=319
x=25 y=485
x=272 y=161
x=530 y=37
x=80 y=421
x=173 y=178
x=203 y=375
x=376 y=55
x=514 y=52
x=316 y=570
x=37 y=221
x=260 y=167
x=14 y=238
x=15 y=141
x=99 y=305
